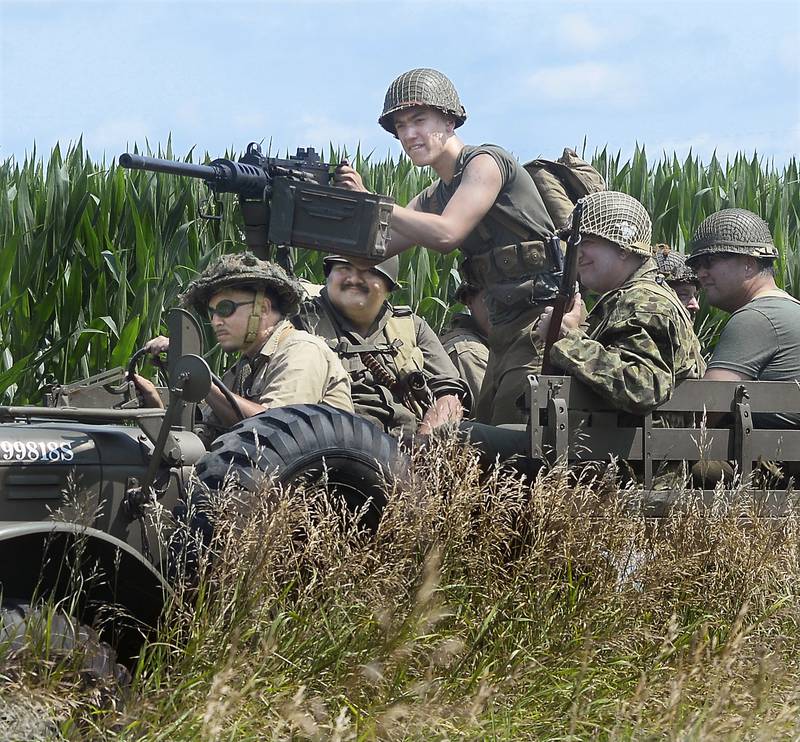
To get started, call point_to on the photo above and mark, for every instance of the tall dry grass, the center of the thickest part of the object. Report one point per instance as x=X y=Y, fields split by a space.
x=486 y=607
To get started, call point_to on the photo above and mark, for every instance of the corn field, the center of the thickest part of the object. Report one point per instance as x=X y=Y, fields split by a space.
x=93 y=255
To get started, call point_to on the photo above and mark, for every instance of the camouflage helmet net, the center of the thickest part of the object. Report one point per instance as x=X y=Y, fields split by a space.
x=672 y=265
x=243 y=269
x=619 y=218
x=421 y=87
x=733 y=231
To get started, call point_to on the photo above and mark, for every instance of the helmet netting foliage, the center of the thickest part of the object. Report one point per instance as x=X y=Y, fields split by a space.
x=619 y=218
x=421 y=87
x=735 y=231
x=243 y=269
x=672 y=265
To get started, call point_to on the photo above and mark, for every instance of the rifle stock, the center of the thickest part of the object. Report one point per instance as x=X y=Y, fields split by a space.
x=566 y=290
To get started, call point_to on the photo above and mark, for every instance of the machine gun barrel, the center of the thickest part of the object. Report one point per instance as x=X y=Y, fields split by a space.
x=157 y=165
x=222 y=176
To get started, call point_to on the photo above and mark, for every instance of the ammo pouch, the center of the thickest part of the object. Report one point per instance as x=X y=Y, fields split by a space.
x=508 y=263
x=538 y=289
x=522 y=273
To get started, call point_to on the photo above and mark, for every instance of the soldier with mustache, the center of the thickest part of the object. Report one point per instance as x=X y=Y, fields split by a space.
x=384 y=347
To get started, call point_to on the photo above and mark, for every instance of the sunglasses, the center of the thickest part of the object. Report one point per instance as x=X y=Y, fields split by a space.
x=227 y=307
x=706 y=261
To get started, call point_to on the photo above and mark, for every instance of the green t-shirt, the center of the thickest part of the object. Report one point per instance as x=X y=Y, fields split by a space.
x=762 y=341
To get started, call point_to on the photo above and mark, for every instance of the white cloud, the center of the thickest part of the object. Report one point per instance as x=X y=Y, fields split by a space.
x=576 y=30
x=584 y=82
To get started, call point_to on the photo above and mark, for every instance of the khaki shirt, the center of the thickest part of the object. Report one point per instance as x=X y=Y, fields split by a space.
x=293 y=367
x=468 y=350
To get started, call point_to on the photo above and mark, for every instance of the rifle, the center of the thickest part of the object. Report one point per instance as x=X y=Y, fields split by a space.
x=288 y=202
x=566 y=290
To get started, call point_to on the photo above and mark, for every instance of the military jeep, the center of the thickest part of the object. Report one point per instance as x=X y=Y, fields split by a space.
x=89 y=482
x=82 y=477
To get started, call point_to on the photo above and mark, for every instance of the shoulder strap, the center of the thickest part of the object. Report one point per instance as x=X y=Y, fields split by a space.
x=400 y=326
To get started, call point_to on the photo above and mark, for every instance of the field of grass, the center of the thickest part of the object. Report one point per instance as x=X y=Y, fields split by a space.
x=484 y=608
x=92 y=255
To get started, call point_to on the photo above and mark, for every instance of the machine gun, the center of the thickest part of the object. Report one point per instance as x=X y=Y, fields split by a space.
x=289 y=202
x=566 y=290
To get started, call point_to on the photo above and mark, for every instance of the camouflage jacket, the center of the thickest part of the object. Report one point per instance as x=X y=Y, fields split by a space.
x=639 y=342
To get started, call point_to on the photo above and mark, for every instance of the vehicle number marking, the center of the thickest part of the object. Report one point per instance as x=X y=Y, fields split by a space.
x=37 y=451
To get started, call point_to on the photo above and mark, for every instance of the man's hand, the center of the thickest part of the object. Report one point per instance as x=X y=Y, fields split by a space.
x=157 y=346
x=148 y=394
x=570 y=321
x=346 y=177
x=446 y=409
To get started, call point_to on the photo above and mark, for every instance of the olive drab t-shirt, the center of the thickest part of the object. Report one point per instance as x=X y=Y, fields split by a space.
x=762 y=341
x=518 y=201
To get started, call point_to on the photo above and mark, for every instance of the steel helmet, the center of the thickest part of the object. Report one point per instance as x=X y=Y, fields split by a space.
x=243 y=269
x=672 y=265
x=733 y=231
x=421 y=87
x=390 y=268
x=618 y=218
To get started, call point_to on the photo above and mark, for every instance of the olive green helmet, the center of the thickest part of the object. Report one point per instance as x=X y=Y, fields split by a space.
x=672 y=265
x=390 y=268
x=421 y=87
x=618 y=218
x=243 y=269
x=733 y=231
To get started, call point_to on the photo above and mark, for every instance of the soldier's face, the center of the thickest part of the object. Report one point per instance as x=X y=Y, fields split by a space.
x=423 y=132
x=687 y=293
x=357 y=294
x=723 y=277
x=602 y=266
x=231 y=331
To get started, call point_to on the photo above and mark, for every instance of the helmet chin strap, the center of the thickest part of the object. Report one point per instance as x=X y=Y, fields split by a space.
x=254 y=321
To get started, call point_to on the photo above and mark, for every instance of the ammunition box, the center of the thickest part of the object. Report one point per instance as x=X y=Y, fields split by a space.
x=333 y=220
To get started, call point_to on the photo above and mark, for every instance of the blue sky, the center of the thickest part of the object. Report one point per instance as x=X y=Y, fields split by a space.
x=533 y=76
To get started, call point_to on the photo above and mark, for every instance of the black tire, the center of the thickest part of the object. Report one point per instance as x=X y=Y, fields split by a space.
x=24 y=628
x=309 y=442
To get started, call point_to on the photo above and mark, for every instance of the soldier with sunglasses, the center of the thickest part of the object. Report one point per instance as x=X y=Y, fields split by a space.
x=248 y=303
x=733 y=255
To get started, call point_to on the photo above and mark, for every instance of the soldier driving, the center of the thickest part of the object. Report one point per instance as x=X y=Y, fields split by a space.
x=639 y=340
x=401 y=376
x=248 y=302
x=486 y=205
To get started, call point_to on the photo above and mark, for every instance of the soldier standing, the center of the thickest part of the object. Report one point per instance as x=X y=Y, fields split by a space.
x=679 y=276
x=734 y=256
x=401 y=377
x=486 y=205
x=249 y=302
x=639 y=340
x=466 y=340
